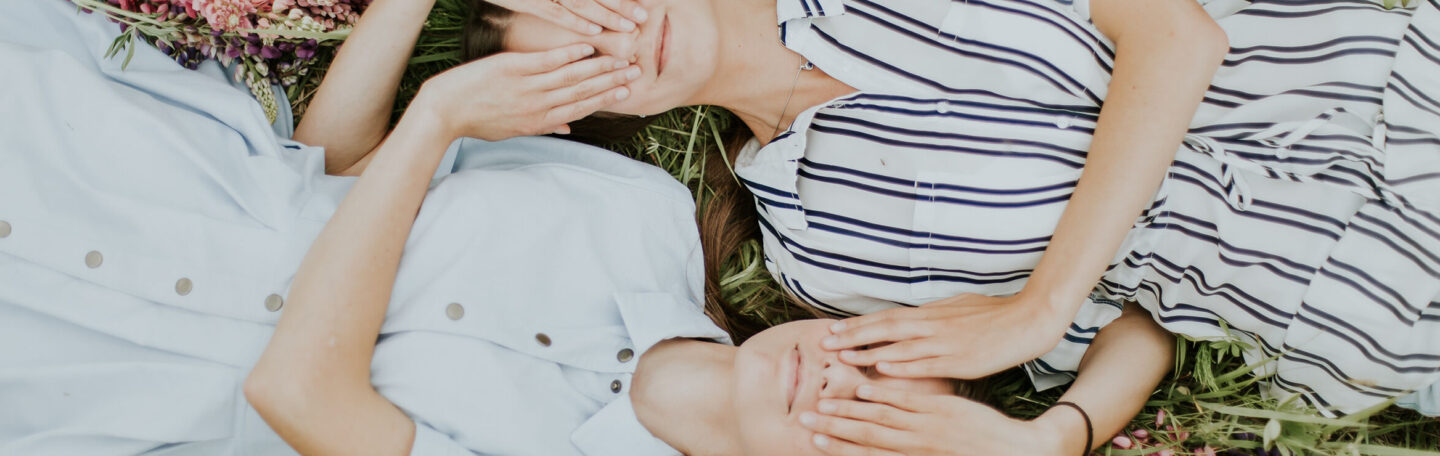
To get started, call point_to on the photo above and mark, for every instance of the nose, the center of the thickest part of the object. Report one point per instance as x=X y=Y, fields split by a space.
x=623 y=45
x=840 y=379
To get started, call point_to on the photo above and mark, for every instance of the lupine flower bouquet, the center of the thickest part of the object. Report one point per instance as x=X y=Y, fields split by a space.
x=264 y=42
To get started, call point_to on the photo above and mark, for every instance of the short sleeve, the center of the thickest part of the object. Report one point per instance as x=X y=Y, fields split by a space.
x=429 y=441
x=1058 y=367
x=1216 y=8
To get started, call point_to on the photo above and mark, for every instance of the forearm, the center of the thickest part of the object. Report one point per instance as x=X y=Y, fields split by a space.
x=1162 y=68
x=351 y=111
x=312 y=384
x=1124 y=363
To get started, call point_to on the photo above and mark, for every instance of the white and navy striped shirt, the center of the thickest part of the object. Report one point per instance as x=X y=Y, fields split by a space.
x=948 y=171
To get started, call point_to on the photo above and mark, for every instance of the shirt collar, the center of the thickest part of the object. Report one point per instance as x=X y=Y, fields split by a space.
x=649 y=318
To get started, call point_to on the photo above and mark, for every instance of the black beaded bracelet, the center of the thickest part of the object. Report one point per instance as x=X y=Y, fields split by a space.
x=1089 y=428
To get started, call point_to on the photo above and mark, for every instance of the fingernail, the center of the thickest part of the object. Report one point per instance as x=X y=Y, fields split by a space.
x=619 y=64
x=864 y=391
x=622 y=94
x=626 y=25
x=641 y=15
x=827 y=407
x=847 y=356
x=594 y=29
x=884 y=366
x=837 y=327
x=821 y=441
x=829 y=341
x=632 y=74
x=587 y=50
x=807 y=419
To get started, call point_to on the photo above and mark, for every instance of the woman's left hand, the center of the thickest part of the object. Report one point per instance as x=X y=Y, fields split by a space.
x=967 y=336
x=893 y=422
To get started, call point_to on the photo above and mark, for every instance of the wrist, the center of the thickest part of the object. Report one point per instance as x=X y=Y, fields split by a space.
x=1061 y=431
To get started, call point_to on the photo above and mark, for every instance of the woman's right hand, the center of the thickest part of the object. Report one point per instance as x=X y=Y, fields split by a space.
x=582 y=16
x=522 y=94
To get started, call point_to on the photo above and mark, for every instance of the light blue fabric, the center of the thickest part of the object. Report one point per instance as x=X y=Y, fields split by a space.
x=120 y=186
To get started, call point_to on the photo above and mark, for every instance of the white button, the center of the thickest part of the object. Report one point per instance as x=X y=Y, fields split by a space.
x=94 y=259
x=4 y=229
x=1062 y=122
x=274 y=302
x=942 y=108
x=455 y=311
x=183 y=286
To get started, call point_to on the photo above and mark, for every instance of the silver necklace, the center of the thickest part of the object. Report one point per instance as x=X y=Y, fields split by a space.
x=806 y=66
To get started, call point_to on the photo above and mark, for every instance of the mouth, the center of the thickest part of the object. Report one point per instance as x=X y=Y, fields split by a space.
x=794 y=363
x=661 y=50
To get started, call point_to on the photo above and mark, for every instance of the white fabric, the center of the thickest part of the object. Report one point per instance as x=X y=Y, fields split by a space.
x=167 y=174
x=1296 y=217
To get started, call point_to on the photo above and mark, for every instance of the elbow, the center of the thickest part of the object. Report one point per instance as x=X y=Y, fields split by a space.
x=1202 y=38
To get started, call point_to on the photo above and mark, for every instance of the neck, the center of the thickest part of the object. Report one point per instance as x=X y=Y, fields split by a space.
x=757 y=75
x=682 y=393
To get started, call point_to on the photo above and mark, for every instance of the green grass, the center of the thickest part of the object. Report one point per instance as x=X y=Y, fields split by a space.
x=1210 y=393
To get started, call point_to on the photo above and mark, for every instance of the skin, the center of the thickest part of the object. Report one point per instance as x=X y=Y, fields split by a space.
x=1157 y=84
x=311 y=385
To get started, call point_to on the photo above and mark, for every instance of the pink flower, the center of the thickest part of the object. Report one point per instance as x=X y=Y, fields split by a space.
x=1122 y=442
x=225 y=15
x=1141 y=434
x=1164 y=452
x=1160 y=418
x=1205 y=451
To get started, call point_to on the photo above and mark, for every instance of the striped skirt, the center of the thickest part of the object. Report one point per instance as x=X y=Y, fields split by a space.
x=1304 y=209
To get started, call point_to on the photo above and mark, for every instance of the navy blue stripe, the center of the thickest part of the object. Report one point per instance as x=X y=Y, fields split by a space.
x=805 y=162
x=804 y=173
x=932 y=112
x=1316 y=46
x=1256 y=215
x=1305 y=60
x=1415 y=178
x=1332 y=320
x=1197 y=281
x=1036 y=109
x=767 y=189
x=800 y=292
x=925 y=234
x=1077 y=162
x=1320 y=12
x=936 y=85
x=1408 y=253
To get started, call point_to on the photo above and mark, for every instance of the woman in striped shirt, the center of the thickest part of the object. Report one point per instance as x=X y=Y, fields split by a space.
x=1239 y=183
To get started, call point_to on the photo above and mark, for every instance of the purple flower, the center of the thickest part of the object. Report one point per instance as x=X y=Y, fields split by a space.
x=270 y=52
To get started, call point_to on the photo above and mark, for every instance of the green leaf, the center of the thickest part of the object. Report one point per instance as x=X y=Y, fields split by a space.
x=129 y=54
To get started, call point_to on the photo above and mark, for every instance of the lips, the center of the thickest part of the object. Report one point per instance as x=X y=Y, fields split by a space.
x=661 y=49
x=795 y=380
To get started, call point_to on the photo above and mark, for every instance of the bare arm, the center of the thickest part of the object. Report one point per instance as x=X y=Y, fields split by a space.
x=1166 y=53
x=350 y=114
x=1124 y=363
x=312 y=383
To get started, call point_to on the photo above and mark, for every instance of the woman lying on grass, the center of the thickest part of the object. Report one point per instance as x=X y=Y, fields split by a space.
x=956 y=155
x=545 y=298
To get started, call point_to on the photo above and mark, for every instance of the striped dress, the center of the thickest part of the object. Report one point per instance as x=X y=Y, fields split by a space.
x=1300 y=217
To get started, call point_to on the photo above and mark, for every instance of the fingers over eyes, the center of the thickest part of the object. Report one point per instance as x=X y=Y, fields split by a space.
x=834 y=447
x=885 y=330
x=547 y=61
x=600 y=14
x=900 y=399
x=874 y=412
x=560 y=15
x=903 y=351
x=575 y=73
x=855 y=431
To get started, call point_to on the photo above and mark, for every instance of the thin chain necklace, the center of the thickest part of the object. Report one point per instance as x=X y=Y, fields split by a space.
x=793 y=84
